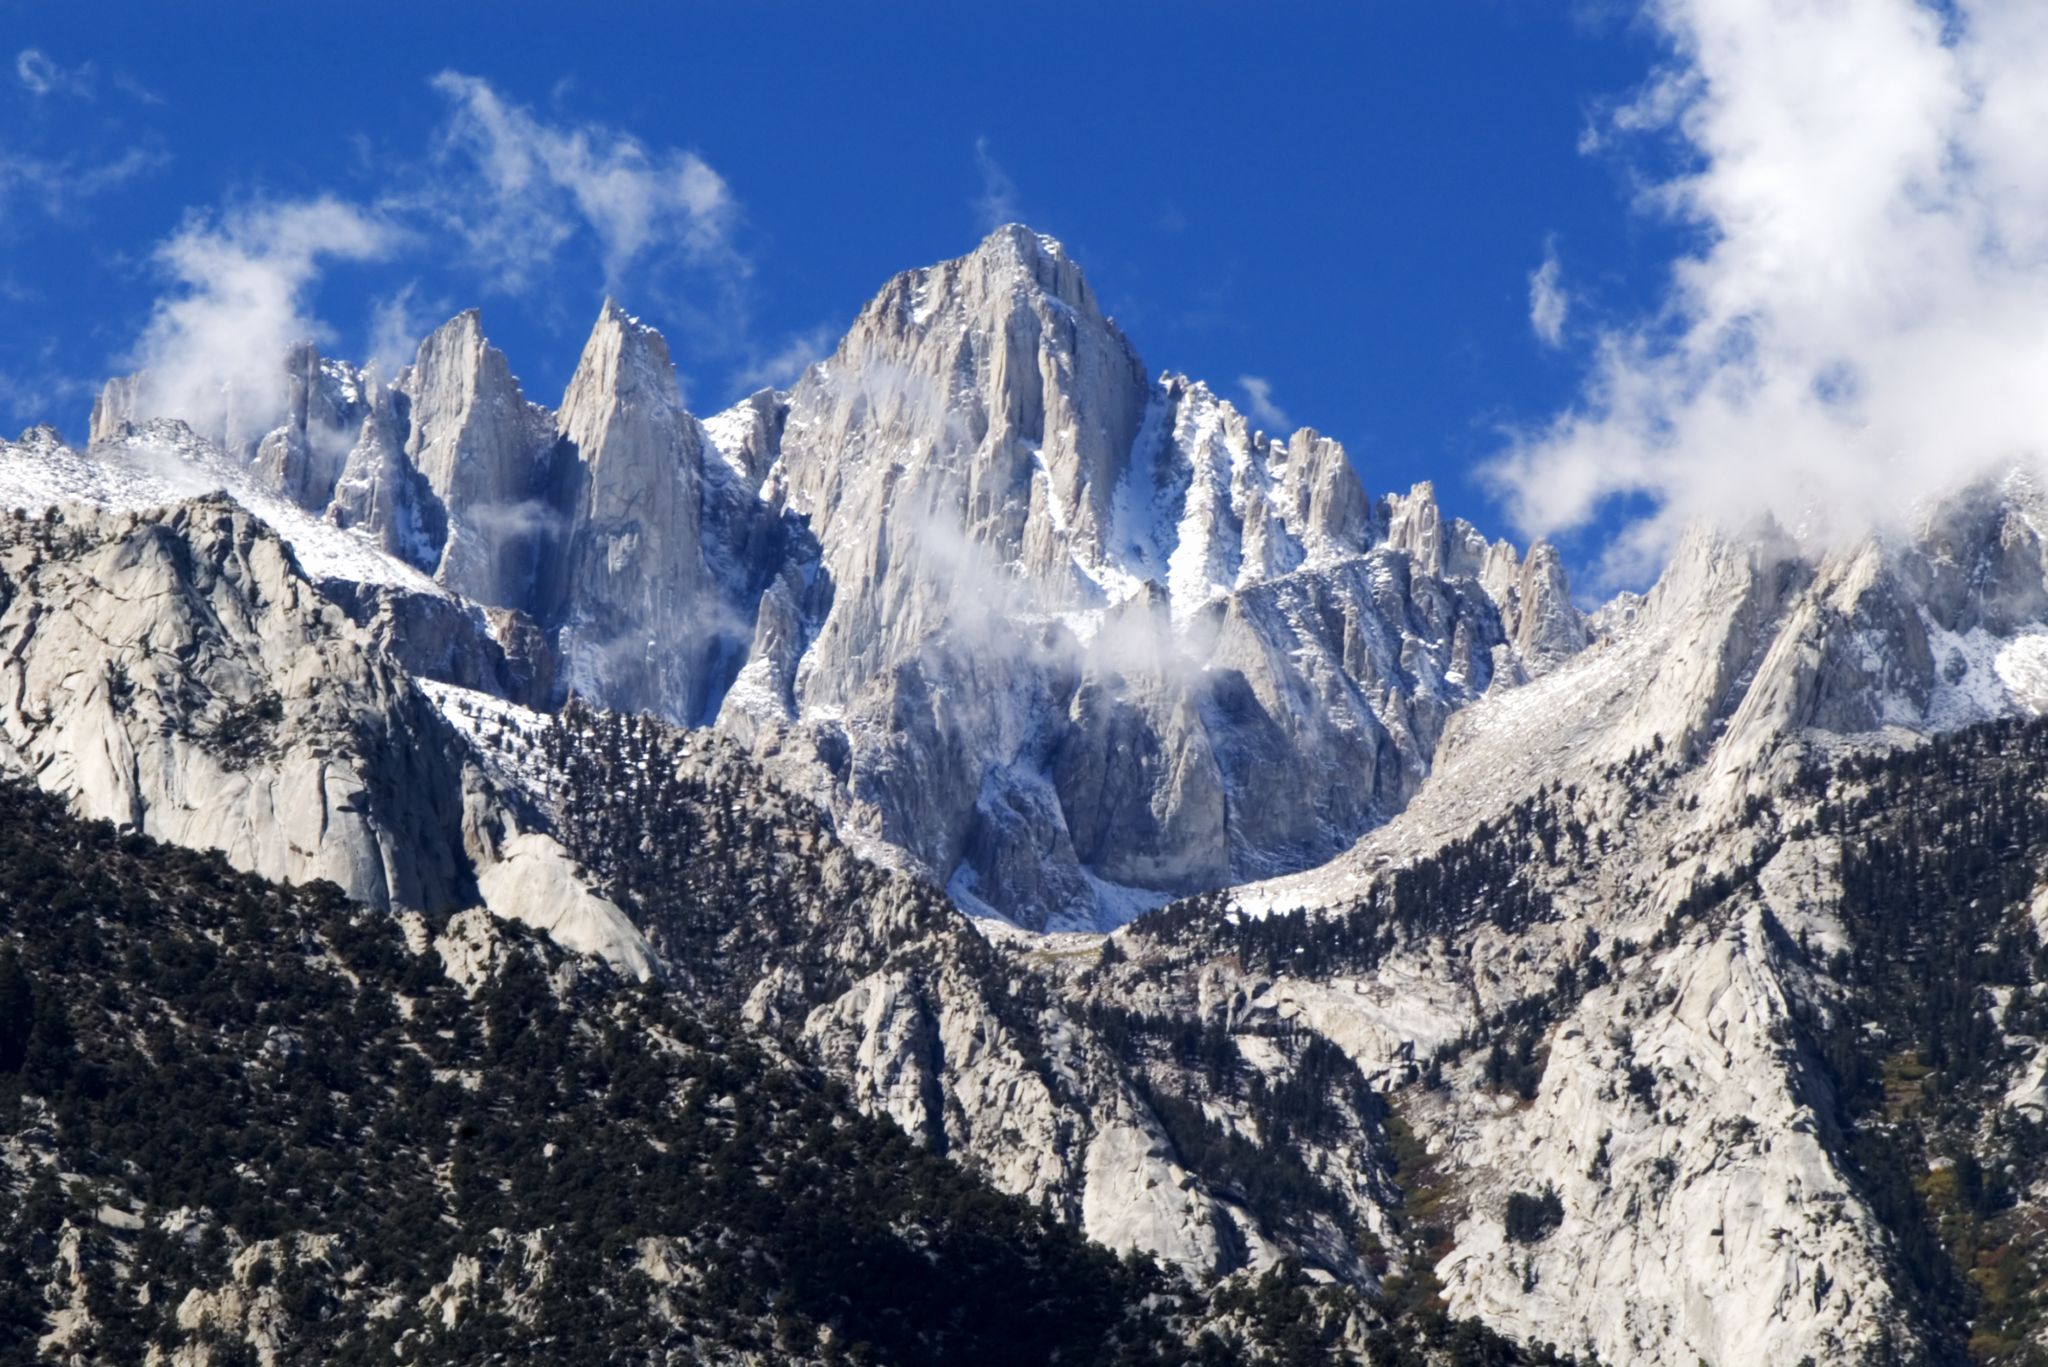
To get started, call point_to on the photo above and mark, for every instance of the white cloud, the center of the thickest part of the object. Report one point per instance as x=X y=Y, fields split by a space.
x=214 y=346
x=40 y=76
x=526 y=186
x=56 y=186
x=997 y=204
x=1548 y=302
x=1258 y=401
x=1865 y=319
x=780 y=368
x=503 y=193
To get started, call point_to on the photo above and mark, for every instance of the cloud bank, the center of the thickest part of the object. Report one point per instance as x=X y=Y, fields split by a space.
x=214 y=347
x=1864 y=320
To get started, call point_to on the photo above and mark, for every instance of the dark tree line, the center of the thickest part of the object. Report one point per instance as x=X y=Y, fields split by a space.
x=1485 y=877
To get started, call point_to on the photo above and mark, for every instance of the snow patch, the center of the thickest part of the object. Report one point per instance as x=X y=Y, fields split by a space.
x=1980 y=676
x=161 y=464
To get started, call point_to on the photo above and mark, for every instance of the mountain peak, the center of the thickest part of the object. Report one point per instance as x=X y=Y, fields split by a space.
x=622 y=357
x=1012 y=262
x=613 y=315
x=460 y=341
x=1019 y=241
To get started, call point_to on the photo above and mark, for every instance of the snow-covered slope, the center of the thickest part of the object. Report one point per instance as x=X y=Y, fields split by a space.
x=164 y=461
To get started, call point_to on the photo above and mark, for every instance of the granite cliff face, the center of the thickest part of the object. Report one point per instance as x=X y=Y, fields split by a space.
x=176 y=675
x=174 y=671
x=1161 y=638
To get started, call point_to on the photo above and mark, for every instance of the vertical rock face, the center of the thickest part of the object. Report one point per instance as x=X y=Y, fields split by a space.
x=325 y=405
x=1083 y=629
x=177 y=674
x=1320 y=493
x=972 y=426
x=615 y=528
x=480 y=449
x=1534 y=597
x=380 y=491
x=638 y=604
x=115 y=407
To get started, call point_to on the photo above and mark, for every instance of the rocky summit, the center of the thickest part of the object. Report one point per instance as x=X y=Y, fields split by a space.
x=986 y=855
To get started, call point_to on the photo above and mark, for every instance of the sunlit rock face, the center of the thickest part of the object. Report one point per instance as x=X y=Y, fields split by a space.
x=1085 y=638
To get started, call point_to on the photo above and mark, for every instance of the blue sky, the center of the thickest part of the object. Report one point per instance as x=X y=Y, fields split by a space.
x=1344 y=201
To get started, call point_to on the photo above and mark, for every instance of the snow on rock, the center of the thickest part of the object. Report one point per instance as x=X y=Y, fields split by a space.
x=164 y=462
x=1086 y=631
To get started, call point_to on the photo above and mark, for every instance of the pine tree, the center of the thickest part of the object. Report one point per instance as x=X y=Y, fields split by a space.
x=17 y=1012
x=47 y=1059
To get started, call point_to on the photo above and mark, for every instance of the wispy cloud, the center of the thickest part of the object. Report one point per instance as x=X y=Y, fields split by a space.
x=397 y=323
x=517 y=187
x=56 y=186
x=41 y=76
x=781 y=367
x=1258 y=401
x=214 y=344
x=1865 y=319
x=500 y=196
x=1548 y=302
x=997 y=203
x=53 y=162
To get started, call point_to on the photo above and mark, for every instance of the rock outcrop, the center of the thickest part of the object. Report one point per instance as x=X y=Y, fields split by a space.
x=176 y=674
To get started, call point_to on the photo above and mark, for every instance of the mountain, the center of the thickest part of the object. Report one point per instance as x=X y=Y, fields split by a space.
x=250 y=1122
x=1173 y=652
x=1495 y=982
